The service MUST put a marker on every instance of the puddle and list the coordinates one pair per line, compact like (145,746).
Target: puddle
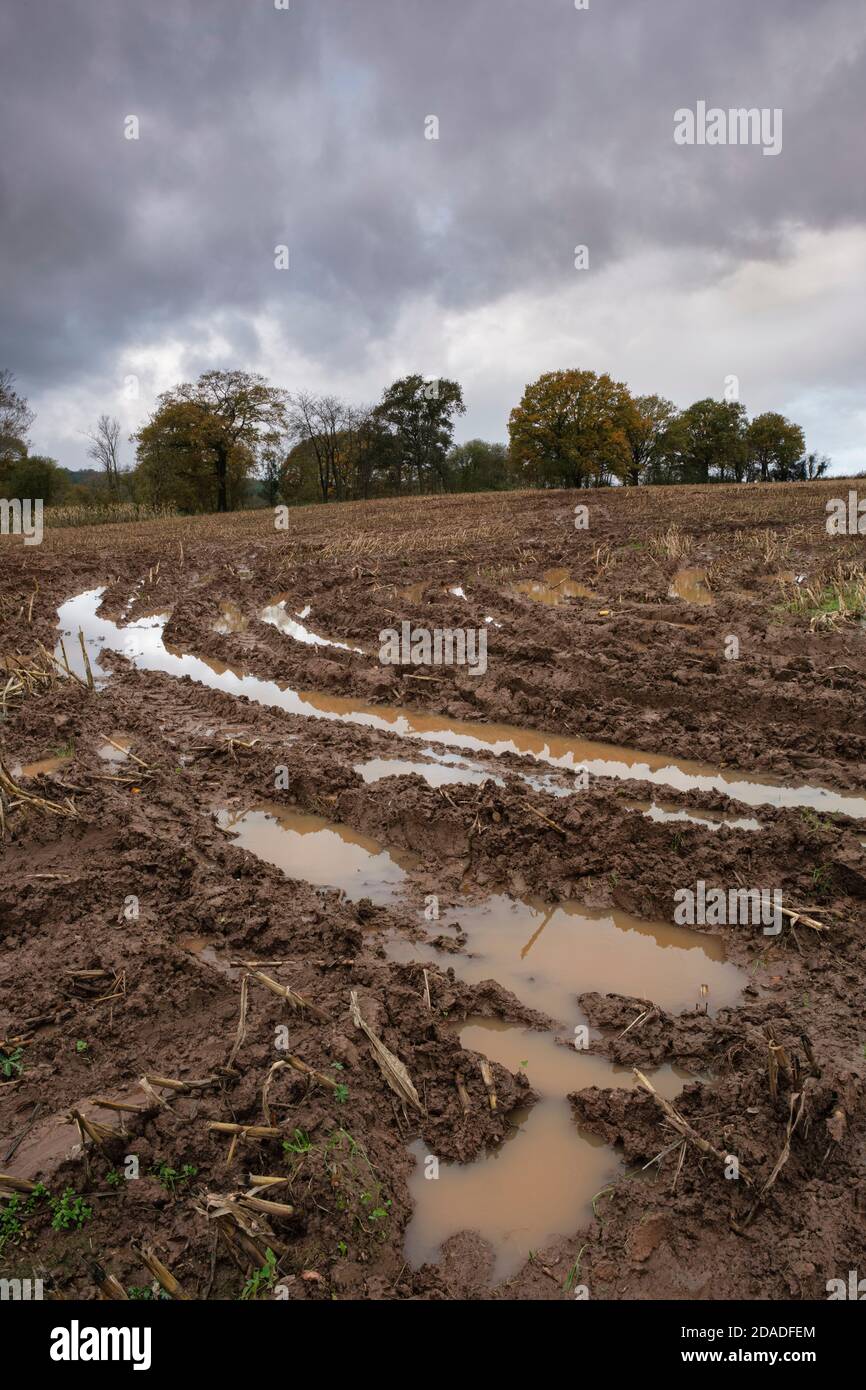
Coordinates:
(691,586)
(142,643)
(711,820)
(204,948)
(44,767)
(117,751)
(414,593)
(547,955)
(540,1182)
(275,614)
(434,774)
(554,586)
(231,619)
(318,851)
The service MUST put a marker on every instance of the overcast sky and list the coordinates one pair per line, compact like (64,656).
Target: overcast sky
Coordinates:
(305,127)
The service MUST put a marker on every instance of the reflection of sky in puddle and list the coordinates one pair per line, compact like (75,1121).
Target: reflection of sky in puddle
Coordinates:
(142,643)
(276,615)
(711,820)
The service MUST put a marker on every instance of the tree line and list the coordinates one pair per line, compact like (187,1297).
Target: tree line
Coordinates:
(233,440)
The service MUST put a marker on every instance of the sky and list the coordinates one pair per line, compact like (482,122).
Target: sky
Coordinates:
(128,265)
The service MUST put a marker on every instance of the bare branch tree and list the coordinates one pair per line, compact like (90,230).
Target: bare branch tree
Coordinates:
(104,446)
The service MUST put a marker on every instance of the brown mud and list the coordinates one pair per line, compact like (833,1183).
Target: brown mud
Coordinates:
(136,928)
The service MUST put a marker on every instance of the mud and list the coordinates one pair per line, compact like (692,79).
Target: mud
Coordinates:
(131,926)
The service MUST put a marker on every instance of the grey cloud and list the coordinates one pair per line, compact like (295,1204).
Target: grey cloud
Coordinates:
(306,127)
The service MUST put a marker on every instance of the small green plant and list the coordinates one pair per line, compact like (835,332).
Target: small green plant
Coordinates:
(344,1249)
(574,1273)
(262,1279)
(69,1211)
(146,1293)
(11,1063)
(113,1178)
(341,1094)
(81,1046)
(379,1212)
(300,1143)
(16,1210)
(822,879)
(173,1178)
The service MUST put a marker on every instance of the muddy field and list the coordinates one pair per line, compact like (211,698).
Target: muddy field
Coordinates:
(364,916)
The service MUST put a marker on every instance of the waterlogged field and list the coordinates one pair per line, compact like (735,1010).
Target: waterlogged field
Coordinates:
(437,898)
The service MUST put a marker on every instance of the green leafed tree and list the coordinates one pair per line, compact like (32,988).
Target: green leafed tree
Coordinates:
(420,415)
(709,442)
(209,432)
(775,446)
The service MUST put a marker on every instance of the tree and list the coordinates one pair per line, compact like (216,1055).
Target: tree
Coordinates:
(648,431)
(319,421)
(774,446)
(16,417)
(711,436)
(570,430)
(810,466)
(477,466)
(227,417)
(176,461)
(34,476)
(374,453)
(104,448)
(420,415)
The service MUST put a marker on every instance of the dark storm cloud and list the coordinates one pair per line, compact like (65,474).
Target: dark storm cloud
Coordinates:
(306,127)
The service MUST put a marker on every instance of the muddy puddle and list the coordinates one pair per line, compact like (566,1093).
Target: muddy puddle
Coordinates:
(142,643)
(43,767)
(711,820)
(318,851)
(553,588)
(540,1182)
(277,615)
(547,955)
(206,950)
(115,748)
(435,774)
(230,619)
(691,586)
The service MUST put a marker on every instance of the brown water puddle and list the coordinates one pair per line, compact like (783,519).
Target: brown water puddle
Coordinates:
(117,749)
(540,1182)
(142,643)
(318,851)
(711,820)
(554,586)
(204,948)
(547,955)
(231,619)
(691,586)
(414,593)
(44,767)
